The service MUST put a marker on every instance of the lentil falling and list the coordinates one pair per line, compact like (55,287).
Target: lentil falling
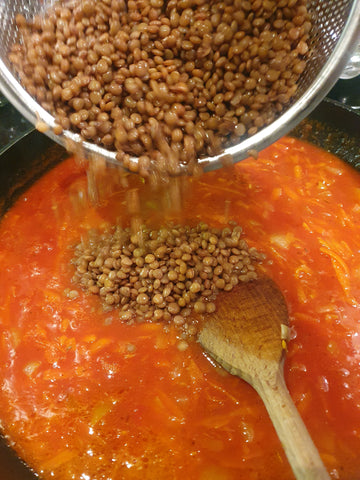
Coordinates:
(167,82)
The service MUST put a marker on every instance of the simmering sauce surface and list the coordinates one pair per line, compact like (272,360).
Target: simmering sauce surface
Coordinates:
(84,396)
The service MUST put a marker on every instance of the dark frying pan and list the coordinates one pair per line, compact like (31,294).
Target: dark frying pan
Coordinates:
(331,126)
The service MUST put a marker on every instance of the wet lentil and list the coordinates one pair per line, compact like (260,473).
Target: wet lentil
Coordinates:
(172,80)
(106,265)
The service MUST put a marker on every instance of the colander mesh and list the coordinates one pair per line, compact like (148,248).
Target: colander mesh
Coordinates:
(329,18)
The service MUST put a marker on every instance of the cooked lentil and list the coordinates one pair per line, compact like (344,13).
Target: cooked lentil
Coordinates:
(164,274)
(164,81)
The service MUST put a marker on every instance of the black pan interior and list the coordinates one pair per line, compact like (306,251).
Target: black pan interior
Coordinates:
(331,126)
(335,128)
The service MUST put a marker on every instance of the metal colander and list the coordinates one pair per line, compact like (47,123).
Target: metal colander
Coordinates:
(335,32)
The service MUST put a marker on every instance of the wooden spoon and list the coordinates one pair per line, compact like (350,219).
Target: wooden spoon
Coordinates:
(244,336)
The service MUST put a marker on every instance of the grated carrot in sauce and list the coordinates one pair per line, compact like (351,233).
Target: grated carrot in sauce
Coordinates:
(86,396)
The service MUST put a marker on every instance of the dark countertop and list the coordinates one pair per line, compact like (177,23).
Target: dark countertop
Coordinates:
(12,124)
(347,92)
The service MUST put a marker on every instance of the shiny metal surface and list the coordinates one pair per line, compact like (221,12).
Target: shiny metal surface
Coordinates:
(335,32)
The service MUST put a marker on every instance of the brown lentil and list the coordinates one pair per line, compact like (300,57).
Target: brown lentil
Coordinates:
(106,265)
(172,80)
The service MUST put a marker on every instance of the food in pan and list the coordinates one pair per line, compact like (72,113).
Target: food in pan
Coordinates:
(159,274)
(86,395)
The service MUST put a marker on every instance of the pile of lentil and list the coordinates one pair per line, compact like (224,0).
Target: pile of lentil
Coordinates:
(164,274)
(167,82)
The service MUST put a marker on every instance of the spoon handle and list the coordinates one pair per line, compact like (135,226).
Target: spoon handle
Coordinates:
(299,448)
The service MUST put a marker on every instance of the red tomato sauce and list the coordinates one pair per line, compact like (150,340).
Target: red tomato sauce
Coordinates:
(84,396)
